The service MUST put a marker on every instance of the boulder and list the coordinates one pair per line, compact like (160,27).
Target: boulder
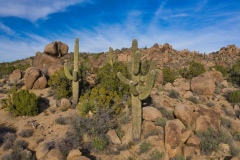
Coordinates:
(55,154)
(53,69)
(30,76)
(15,76)
(65,103)
(40,83)
(51,49)
(173,130)
(44,62)
(184,113)
(181,85)
(203,84)
(151,114)
(62,48)
(158,79)
(113,137)
(193,141)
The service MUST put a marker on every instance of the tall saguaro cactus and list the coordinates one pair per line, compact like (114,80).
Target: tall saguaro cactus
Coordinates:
(111,58)
(140,87)
(75,73)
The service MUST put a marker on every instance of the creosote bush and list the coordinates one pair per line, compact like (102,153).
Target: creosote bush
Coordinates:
(194,70)
(235,73)
(168,75)
(26,133)
(221,69)
(23,103)
(60,85)
(144,147)
(234,97)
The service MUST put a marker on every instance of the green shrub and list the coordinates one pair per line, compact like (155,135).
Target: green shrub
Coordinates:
(168,75)
(144,147)
(194,70)
(60,85)
(86,106)
(156,155)
(99,143)
(221,69)
(226,123)
(211,138)
(161,122)
(174,94)
(234,97)
(193,99)
(235,73)
(99,97)
(107,78)
(24,103)
(166,113)
(120,132)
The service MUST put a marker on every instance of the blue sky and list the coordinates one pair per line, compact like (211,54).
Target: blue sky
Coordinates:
(26,26)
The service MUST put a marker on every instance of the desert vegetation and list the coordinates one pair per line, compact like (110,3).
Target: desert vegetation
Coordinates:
(122,104)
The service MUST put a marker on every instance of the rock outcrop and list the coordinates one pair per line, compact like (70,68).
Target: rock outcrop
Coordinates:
(15,76)
(34,79)
(56,49)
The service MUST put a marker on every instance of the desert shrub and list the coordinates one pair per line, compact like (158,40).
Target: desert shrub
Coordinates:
(86,106)
(210,104)
(24,103)
(161,122)
(9,138)
(211,138)
(179,158)
(193,99)
(99,143)
(168,75)
(61,120)
(60,85)
(19,153)
(226,123)
(235,73)
(173,94)
(120,132)
(221,69)
(156,155)
(236,136)
(234,97)
(151,133)
(98,125)
(144,147)
(26,133)
(20,143)
(166,113)
(107,78)
(194,70)
(99,97)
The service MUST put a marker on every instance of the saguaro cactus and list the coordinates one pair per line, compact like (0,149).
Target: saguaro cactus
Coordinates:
(140,87)
(75,73)
(111,58)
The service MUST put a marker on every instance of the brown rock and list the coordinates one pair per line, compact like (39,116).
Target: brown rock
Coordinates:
(235,126)
(188,151)
(203,84)
(159,78)
(183,113)
(62,48)
(15,76)
(173,137)
(217,76)
(113,137)
(74,154)
(54,69)
(187,94)
(40,83)
(44,61)
(65,103)
(148,126)
(30,76)
(202,123)
(185,135)
(181,85)
(41,150)
(151,114)
(193,141)
(51,49)
(55,154)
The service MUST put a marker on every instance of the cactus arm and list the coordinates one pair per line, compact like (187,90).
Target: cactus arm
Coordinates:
(133,88)
(67,73)
(123,79)
(148,86)
(129,67)
(152,67)
(136,63)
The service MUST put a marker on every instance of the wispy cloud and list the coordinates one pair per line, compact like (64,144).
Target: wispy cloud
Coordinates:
(34,10)
(6,29)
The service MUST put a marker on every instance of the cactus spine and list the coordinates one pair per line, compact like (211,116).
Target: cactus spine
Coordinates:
(111,58)
(140,87)
(75,73)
